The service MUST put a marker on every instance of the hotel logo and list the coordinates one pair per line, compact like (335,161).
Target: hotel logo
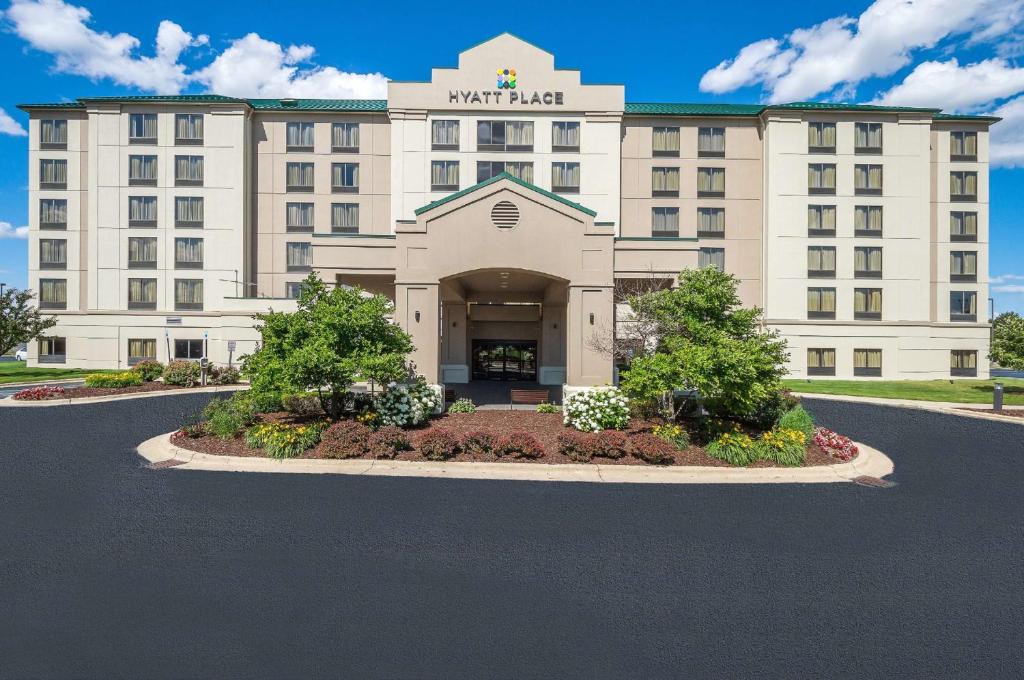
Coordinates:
(506,78)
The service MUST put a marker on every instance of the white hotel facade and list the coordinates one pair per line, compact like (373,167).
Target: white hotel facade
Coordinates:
(500,218)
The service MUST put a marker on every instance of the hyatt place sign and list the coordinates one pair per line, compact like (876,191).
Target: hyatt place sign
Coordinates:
(510,97)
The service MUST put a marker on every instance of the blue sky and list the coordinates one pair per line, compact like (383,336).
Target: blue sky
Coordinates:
(956,54)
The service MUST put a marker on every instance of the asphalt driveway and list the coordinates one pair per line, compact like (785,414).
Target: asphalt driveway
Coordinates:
(111,570)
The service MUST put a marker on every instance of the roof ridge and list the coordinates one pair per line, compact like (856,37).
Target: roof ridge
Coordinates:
(504,175)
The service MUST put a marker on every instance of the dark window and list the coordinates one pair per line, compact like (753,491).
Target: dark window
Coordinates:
(52,350)
(500,135)
(963,305)
(188,349)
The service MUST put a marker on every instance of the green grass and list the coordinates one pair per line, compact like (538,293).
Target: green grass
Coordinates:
(962,391)
(18,372)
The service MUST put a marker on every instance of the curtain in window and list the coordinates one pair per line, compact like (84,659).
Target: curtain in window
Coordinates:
(188,209)
(142,291)
(665,179)
(299,254)
(711,140)
(565,134)
(964,302)
(821,259)
(963,223)
(963,358)
(445,132)
(142,209)
(142,167)
(142,250)
(711,219)
(666,139)
(53,132)
(444,173)
(567,175)
(53,171)
(53,251)
(963,183)
(188,250)
(53,291)
(345,135)
(53,211)
(711,257)
(711,179)
(867,300)
(822,217)
(299,134)
(188,126)
(821,358)
(299,215)
(188,291)
(867,217)
(665,219)
(821,134)
(821,176)
(963,143)
(346,174)
(867,358)
(299,174)
(964,263)
(519,133)
(345,216)
(142,126)
(188,168)
(142,349)
(868,136)
(821,299)
(523,171)
(867,176)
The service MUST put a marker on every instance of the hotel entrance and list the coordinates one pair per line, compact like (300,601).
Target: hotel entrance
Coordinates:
(505,360)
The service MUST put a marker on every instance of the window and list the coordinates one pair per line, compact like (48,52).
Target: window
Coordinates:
(345,137)
(52,350)
(53,253)
(292,289)
(821,262)
(711,182)
(345,178)
(821,137)
(444,135)
(821,303)
(53,213)
(963,363)
(867,303)
(711,257)
(963,186)
(711,142)
(963,226)
(53,134)
(188,129)
(867,362)
(711,222)
(298,216)
(299,256)
(142,128)
(188,294)
(963,265)
(867,138)
(519,169)
(188,253)
(142,252)
(299,136)
(963,305)
(188,349)
(444,175)
(345,218)
(821,362)
(565,136)
(299,177)
(665,141)
(821,178)
(188,171)
(188,212)
(565,178)
(867,180)
(963,146)
(867,221)
(142,171)
(821,220)
(142,211)
(665,222)
(141,349)
(499,135)
(867,262)
(665,181)
(141,293)
(53,174)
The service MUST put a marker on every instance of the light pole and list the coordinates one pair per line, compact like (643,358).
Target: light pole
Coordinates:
(2,288)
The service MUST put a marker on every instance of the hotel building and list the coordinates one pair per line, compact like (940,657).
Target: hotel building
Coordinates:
(500,205)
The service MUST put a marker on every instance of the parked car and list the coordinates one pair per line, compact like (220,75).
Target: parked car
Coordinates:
(21,355)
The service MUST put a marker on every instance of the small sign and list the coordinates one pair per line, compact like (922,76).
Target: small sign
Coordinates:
(231,345)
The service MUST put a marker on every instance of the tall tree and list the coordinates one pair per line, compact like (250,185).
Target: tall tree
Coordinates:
(20,321)
(1008,341)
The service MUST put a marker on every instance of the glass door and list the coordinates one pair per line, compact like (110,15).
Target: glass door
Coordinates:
(504,360)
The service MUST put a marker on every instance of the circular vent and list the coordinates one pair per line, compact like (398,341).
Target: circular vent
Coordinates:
(504,215)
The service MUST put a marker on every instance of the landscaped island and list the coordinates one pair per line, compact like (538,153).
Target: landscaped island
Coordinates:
(145,376)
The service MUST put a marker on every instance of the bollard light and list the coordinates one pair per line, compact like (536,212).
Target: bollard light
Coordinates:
(997,397)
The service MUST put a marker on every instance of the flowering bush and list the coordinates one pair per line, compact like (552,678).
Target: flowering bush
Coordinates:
(120,379)
(438,444)
(39,393)
(388,441)
(407,405)
(345,439)
(835,444)
(149,369)
(462,406)
(223,375)
(479,442)
(782,445)
(519,445)
(182,373)
(652,449)
(673,434)
(736,448)
(602,408)
(280,440)
(193,431)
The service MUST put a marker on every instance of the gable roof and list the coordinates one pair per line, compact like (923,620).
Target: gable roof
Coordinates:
(496,178)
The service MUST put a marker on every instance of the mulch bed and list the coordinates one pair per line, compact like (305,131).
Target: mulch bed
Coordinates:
(544,426)
(1012,412)
(80,392)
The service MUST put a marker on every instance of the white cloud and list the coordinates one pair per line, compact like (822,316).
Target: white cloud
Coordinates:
(1004,278)
(1012,288)
(946,84)
(1006,146)
(7,230)
(9,126)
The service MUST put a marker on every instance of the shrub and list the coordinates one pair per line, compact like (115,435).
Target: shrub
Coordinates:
(652,449)
(280,440)
(345,439)
(407,405)
(673,434)
(602,408)
(388,442)
(575,446)
(302,404)
(370,419)
(193,430)
(835,444)
(735,448)
(519,445)
(223,375)
(438,444)
(768,412)
(545,407)
(782,446)
(182,373)
(39,393)
(798,419)
(462,405)
(149,369)
(609,444)
(119,379)
(227,418)
(479,442)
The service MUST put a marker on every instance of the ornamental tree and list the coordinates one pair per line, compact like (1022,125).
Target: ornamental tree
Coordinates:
(19,320)
(1008,341)
(338,335)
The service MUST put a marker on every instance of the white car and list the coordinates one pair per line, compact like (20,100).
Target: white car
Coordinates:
(21,355)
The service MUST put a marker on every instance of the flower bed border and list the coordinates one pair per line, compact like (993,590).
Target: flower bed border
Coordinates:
(15,403)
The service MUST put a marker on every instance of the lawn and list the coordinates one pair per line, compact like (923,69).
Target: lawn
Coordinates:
(963,391)
(18,372)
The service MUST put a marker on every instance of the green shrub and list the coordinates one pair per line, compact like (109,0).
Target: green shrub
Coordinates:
(652,449)
(768,411)
(120,379)
(479,442)
(227,418)
(193,430)
(407,405)
(345,439)
(463,405)
(182,373)
(302,404)
(149,369)
(798,419)
(519,445)
(223,375)
(437,444)
(734,448)
(545,407)
(388,442)
(783,446)
(673,434)
(279,440)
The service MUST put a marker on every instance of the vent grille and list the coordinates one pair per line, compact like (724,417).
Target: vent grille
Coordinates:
(504,215)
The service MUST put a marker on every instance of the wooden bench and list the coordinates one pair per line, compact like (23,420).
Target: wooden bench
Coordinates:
(528,397)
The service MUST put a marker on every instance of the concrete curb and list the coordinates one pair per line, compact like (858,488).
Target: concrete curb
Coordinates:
(933,406)
(870,462)
(11,403)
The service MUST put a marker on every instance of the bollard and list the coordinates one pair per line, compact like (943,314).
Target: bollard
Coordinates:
(204,368)
(997,397)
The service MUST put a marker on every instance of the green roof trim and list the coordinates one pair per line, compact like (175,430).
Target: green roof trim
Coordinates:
(166,98)
(515,180)
(656,238)
(828,106)
(52,105)
(318,104)
(965,116)
(669,109)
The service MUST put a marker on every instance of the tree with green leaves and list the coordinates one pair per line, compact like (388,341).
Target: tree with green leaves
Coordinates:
(1008,341)
(20,321)
(338,335)
(704,341)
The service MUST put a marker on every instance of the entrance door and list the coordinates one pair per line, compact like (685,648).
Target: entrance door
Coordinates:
(505,360)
